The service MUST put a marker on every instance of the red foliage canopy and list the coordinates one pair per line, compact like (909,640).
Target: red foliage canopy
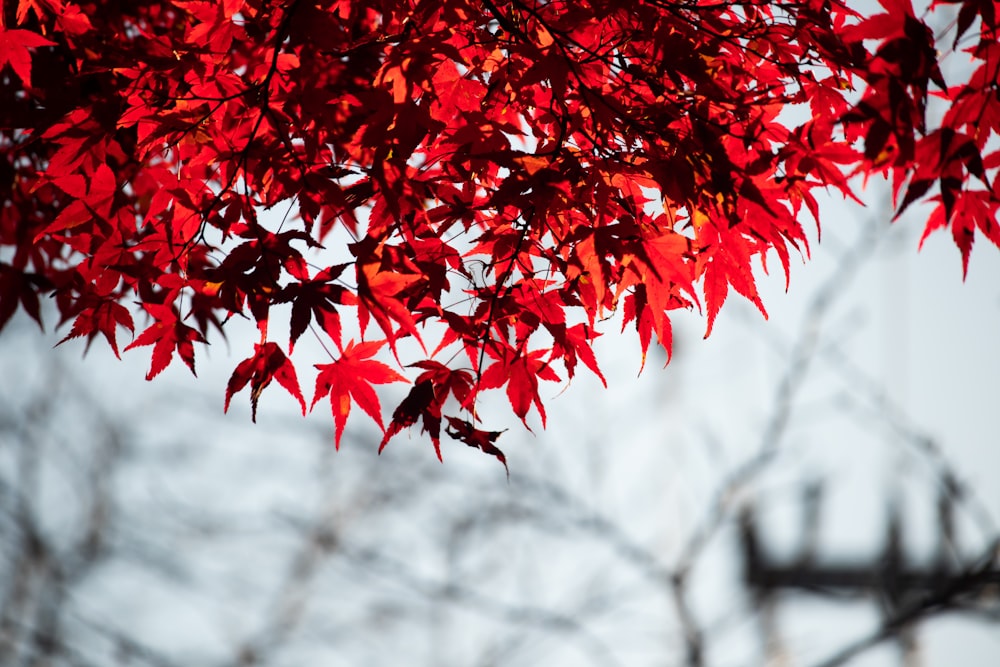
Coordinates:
(512,171)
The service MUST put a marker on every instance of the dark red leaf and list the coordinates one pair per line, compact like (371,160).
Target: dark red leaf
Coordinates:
(267,363)
(461,430)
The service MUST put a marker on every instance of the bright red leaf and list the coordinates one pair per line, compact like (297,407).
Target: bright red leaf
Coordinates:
(351,377)
(14,45)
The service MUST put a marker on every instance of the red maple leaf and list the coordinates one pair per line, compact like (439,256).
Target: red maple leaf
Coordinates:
(459,429)
(317,298)
(351,377)
(267,363)
(521,373)
(167,335)
(426,401)
(14,45)
(17,286)
(103,318)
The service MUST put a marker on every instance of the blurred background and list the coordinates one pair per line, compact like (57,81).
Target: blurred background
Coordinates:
(815,489)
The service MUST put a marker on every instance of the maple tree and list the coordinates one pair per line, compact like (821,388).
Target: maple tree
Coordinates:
(493,181)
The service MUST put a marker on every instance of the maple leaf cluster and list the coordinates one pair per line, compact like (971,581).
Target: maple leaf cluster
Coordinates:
(503,176)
